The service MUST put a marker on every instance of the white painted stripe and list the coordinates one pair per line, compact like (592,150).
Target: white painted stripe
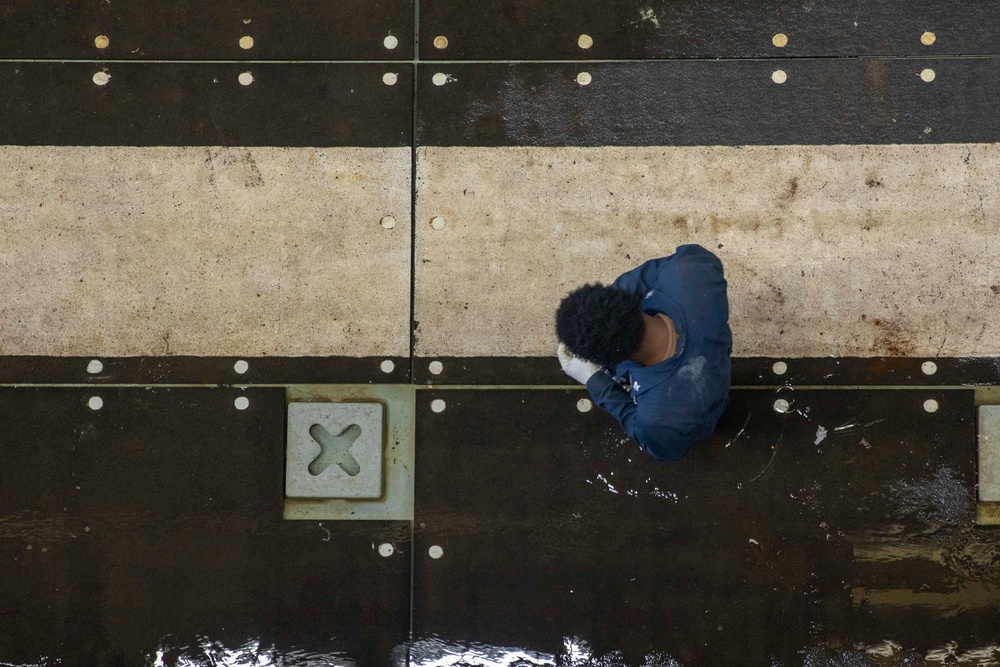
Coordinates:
(829,250)
(204,251)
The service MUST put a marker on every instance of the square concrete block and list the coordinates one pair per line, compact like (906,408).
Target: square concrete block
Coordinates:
(334,450)
(989,453)
(396,501)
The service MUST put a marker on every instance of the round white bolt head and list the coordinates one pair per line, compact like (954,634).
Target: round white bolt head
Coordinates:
(102,78)
(781,405)
(780,40)
(388,222)
(779,368)
(390,42)
(102,41)
(441,42)
(930,405)
(385,550)
(437,405)
(584,78)
(245,79)
(95,403)
(440,79)
(779,76)
(246,42)
(390,78)
(584,405)
(928,367)
(95,366)
(242,403)
(435,552)
(241,367)
(927,75)
(437,222)
(435,367)
(387,366)
(585,41)
(928,38)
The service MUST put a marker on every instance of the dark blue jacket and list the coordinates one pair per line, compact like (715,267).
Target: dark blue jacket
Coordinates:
(676,403)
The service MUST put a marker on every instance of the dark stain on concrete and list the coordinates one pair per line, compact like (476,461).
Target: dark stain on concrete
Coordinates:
(749,223)
(891,339)
(793,188)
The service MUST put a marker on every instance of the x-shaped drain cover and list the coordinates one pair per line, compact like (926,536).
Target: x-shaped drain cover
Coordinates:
(335,450)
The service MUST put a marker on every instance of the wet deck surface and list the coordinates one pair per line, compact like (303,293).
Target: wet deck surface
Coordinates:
(758,547)
(153,527)
(150,532)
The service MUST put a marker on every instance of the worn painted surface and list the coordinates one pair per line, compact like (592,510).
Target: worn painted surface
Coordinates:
(665,29)
(829,250)
(204,251)
(191,30)
(564,544)
(50,103)
(709,102)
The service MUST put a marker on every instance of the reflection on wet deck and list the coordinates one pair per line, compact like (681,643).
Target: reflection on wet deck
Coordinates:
(767,545)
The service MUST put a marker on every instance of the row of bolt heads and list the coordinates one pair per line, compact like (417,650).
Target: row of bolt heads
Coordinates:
(782,405)
(928,368)
(778,76)
(438,405)
(584,41)
(385,550)
(437,222)
(241,366)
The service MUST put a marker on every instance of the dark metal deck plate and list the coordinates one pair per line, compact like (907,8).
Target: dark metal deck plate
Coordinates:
(154,524)
(508,30)
(204,370)
(172,104)
(746,371)
(211,30)
(490,371)
(709,103)
(761,546)
(885,371)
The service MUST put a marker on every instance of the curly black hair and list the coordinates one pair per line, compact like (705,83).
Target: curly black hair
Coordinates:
(602,324)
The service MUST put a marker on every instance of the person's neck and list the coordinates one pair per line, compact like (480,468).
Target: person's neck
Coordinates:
(655,341)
